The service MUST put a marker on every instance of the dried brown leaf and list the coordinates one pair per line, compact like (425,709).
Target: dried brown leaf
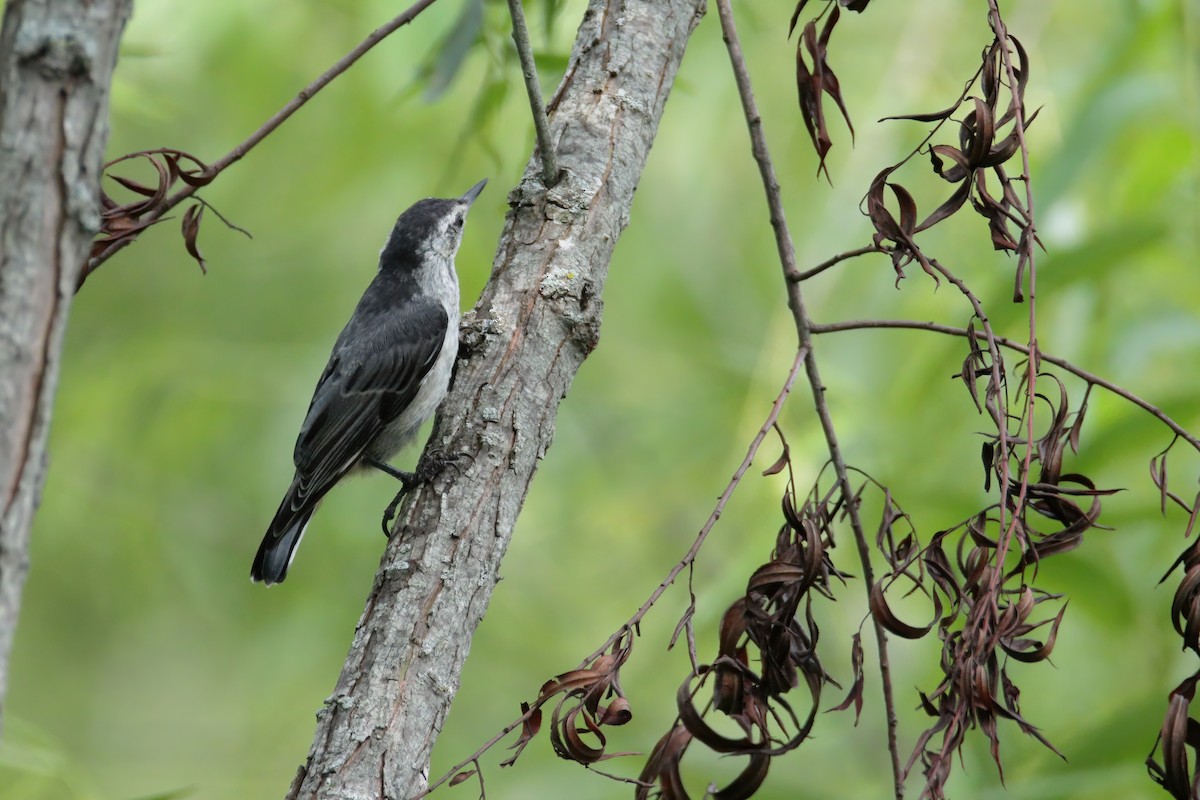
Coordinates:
(946,209)
(812,84)
(1077,425)
(988,454)
(461,776)
(855,695)
(662,766)
(796,16)
(779,464)
(748,780)
(882,612)
(191,229)
(529,729)
(932,116)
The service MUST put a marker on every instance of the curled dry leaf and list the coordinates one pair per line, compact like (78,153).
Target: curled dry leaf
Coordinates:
(662,767)
(529,729)
(815,82)
(780,463)
(855,695)
(766,647)
(579,715)
(898,231)
(123,222)
(988,137)
(462,776)
(1178,734)
(882,612)
(191,229)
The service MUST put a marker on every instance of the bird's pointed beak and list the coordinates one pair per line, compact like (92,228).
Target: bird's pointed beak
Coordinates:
(474,191)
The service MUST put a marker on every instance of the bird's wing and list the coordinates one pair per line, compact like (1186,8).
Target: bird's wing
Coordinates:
(369,381)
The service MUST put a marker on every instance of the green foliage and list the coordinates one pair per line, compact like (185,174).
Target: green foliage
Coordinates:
(146,661)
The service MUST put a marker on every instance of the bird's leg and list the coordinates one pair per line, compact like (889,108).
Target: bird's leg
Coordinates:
(408,480)
(427,469)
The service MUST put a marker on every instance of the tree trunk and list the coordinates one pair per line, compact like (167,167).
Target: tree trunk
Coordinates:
(537,319)
(56,64)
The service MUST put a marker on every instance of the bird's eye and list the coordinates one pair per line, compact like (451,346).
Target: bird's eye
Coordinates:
(458,222)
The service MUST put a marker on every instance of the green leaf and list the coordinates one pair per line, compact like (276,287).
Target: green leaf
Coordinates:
(451,52)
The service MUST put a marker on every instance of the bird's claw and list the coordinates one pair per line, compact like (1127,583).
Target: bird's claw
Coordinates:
(429,468)
(389,513)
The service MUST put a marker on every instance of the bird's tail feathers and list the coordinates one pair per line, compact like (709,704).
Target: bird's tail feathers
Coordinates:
(283,537)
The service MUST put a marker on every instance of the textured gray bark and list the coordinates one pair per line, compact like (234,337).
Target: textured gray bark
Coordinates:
(537,319)
(56,63)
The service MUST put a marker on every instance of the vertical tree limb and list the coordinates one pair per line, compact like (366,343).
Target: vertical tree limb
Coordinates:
(792,278)
(533,89)
(56,63)
(537,319)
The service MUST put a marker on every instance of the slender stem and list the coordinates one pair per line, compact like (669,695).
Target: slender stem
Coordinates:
(306,94)
(787,259)
(520,35)
(1028,239)
(1089,377)
(718,509)
(997,406)
(835,260)
(683,564)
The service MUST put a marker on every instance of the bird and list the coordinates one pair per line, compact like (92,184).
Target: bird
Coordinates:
(387,374)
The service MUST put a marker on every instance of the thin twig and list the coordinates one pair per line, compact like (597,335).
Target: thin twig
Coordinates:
(999,409)
(684,563)
(306,94)
(933,131)
(221,217)
(1089,377)
(690,556)
(787,259)
(474,757)
(482,787)
(835,260)
(520,35)
(1028,238)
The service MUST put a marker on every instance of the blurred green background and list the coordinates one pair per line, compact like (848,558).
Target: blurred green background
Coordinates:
(146,663)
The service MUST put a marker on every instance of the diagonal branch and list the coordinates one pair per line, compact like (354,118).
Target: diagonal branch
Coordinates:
(1062,363)
(688,558)
(536,321)
(833,261)
(280,116)
(791,274)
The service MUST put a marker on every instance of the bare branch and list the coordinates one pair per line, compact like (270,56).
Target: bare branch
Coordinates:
(684,563)
(1089,377)
(1025,257)
(535,322)
(835,260)
(306,94)
(520,34)
(787,258)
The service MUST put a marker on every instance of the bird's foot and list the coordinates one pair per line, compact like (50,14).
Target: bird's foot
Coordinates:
(436,461)
(389,513)
(429,468)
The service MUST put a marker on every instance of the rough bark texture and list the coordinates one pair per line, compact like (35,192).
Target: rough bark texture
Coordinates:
(537,319)
(56,63)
